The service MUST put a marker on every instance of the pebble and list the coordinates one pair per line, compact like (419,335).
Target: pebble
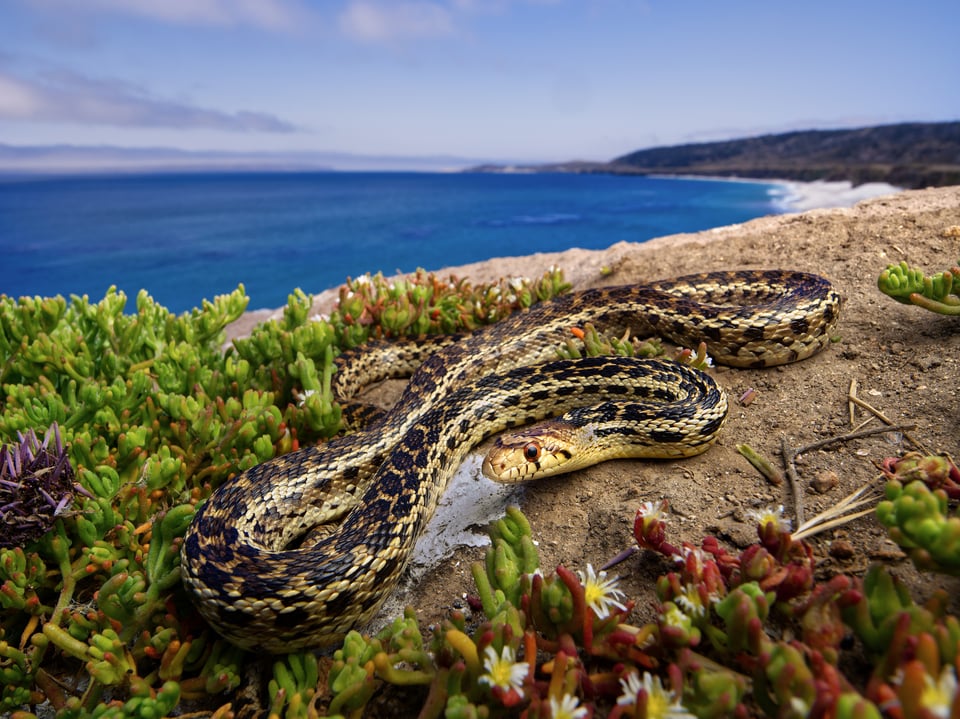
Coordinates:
(825,481)
(842,549)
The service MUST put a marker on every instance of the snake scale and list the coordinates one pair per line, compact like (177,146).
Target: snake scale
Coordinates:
(295,552)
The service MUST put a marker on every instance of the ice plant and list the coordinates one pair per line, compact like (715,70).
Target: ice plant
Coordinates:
(772,517)
(154,410)
(910,286)
(939,694)
(920,521)
(936,471)
(649,528)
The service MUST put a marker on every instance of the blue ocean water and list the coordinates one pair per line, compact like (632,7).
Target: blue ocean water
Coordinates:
(188,237)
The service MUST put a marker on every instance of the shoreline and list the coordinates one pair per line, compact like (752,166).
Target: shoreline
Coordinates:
(800,196)
(826,194)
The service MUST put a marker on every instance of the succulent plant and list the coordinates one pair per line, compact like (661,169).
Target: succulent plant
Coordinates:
(916,510)
(910,286)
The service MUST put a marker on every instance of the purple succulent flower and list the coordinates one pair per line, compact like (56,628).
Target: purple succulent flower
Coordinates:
(36,486)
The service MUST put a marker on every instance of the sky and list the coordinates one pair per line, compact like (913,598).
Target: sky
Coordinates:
(482,80)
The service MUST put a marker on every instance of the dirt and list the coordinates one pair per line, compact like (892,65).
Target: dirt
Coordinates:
(903,359)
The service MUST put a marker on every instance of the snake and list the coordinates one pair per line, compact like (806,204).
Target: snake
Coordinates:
(297,551)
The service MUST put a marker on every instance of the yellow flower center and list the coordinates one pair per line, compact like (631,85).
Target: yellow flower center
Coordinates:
(658,705)
(500,673)
(593,593)
(936,697)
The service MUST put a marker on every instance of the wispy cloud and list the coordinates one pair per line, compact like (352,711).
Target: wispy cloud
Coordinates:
(272,15)
(382,21)
(68,97)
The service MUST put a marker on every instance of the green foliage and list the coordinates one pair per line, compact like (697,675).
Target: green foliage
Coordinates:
(916,510)
(911,287)
(145,413)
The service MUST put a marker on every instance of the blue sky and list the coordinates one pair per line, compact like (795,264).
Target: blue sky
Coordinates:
(500,80)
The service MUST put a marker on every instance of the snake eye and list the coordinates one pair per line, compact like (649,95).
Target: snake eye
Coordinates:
(531,451)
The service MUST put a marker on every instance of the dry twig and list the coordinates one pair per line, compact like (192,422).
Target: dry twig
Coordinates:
(790,455)
(853,399)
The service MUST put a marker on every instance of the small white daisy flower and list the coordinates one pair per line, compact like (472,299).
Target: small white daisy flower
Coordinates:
(661,704)
(503,670)
(691,603)
(937,696)
(769,515)
(567,708)
(630,686)
(302,399)
(601,593)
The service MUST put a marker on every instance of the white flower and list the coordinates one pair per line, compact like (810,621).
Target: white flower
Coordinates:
(503,671)
(567,708)
(769,515)
(691,603)
(699,557)
(601,594)
(661,704)
(653,510)
(302,399)
(630,686)
(937,696)
(673,616)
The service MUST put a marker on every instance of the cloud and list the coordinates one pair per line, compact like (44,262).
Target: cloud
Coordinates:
(380,21)
(272,15)
(17,100)
(67,97)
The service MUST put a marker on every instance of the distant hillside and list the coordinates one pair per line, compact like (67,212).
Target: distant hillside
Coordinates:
(910,155)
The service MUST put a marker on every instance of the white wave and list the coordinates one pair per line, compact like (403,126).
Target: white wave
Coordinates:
(791,196)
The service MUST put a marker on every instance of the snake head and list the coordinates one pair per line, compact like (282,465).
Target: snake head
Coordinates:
(543,450)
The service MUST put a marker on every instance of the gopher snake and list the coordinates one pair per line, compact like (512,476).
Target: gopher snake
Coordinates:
(296,551)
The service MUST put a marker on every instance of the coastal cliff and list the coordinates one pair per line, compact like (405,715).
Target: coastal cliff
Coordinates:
(907,155)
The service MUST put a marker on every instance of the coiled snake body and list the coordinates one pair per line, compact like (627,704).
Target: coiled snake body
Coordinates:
(297,551)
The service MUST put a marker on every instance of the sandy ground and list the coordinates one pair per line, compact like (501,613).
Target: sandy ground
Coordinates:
(904,360)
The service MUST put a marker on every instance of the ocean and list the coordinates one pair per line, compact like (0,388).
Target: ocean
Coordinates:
(189,237)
